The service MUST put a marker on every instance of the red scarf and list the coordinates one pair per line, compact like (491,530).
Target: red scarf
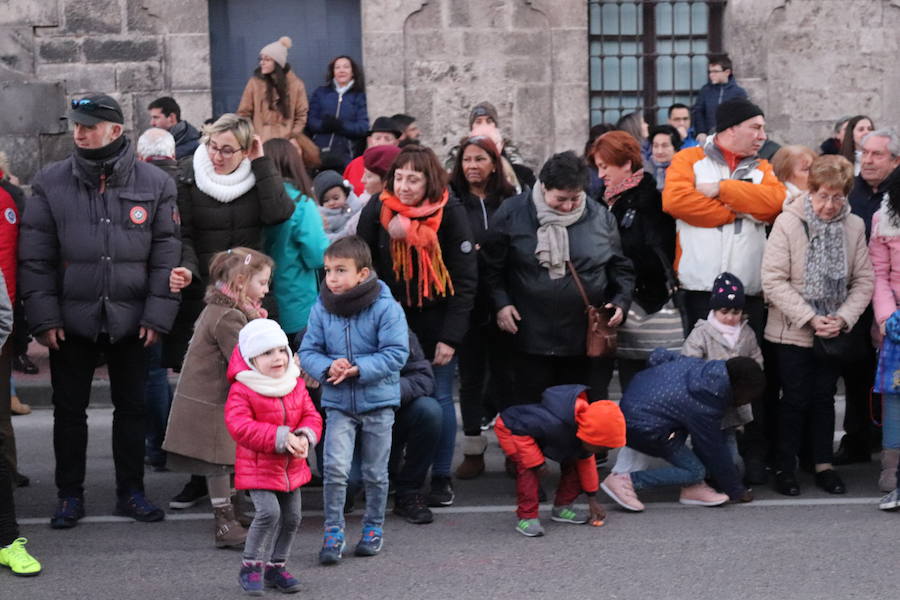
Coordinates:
(415,227)
(610,193)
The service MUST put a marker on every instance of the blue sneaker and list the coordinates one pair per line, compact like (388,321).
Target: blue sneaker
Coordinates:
(251,579)
(276,576)
(68,512)
(136,506)
(332,546)
(371,541)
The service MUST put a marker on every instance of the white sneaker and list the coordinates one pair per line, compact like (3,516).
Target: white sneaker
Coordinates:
(891,501)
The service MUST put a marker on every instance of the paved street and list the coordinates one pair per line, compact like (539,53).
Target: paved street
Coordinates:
(815,546)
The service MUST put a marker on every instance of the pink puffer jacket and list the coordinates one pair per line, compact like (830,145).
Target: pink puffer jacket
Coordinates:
(258,422)
(884,250)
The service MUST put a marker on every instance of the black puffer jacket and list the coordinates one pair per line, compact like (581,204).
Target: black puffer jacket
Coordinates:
(552,310)
(440,319)
(416,376)
(648,240)
(97,258)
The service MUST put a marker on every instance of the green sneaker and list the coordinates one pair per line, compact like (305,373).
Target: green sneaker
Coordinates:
(567,514)
(530,527)
(18,560)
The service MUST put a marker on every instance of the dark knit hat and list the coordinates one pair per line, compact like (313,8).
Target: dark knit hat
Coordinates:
(483,109)
(379,159)
(727,292)
(326,180)
(735,112)
(94,109)
(386,125)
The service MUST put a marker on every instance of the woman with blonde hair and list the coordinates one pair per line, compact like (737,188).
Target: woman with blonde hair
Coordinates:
(791,165)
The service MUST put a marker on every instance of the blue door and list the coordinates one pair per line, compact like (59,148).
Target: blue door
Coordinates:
(320,30)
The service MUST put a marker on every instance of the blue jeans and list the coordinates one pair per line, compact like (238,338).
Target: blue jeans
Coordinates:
(374,429)
(890,421)
(685,469)
(159,402)
(416,430)
(443,388)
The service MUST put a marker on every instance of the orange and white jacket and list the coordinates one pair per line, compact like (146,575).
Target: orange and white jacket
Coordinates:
(727,233)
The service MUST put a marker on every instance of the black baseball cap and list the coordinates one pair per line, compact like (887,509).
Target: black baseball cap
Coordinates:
(94,109)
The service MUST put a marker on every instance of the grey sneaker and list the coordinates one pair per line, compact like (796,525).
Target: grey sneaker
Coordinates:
(569,514)
(891,501)
(530,527)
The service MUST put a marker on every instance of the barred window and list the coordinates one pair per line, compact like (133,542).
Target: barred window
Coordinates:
(649,54)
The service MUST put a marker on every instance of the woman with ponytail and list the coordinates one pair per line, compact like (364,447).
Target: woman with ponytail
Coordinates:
(422,247)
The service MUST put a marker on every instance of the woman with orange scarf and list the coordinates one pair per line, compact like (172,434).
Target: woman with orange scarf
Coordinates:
(423,248)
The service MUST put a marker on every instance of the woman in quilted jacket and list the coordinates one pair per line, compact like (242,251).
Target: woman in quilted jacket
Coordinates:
(273,421)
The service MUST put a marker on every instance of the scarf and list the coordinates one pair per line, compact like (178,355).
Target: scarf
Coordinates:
(223,188)
(731,333)
(659,173)
(552,250)
(611,191)
(253,310)
(825,287)
(353,300)
(102,153)
(415,228)
(274,387)
(342,90)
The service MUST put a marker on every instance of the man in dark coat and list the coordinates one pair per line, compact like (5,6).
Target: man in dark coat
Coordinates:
(721,88)
(99,239)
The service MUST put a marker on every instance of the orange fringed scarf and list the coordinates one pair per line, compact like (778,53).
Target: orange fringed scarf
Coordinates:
(415,227)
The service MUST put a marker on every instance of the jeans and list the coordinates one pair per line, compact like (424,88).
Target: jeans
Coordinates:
(71,372)
(685,469)
(159,401)
(374,429)
(890,419)
(278,516)
(443,390)
(417,427)
(9,529)
(485,375)
(807,402)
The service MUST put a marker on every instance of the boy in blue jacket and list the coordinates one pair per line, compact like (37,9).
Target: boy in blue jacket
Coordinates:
(355,345)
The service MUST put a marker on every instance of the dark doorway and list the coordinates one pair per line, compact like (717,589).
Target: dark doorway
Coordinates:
(319,29)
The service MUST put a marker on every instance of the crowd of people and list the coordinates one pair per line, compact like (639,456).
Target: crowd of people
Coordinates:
(319,283)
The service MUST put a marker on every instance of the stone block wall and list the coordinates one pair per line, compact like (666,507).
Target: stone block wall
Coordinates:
(436,59)
(135,50)
(808,62)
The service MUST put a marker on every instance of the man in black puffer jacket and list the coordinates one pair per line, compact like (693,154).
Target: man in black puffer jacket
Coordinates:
(99,239)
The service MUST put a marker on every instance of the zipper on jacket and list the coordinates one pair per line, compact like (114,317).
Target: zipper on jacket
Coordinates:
(350,358)
(287,458)
(337,113)
(484,213)
(106,258)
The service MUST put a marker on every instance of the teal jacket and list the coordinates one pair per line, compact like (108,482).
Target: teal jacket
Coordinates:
(297,246)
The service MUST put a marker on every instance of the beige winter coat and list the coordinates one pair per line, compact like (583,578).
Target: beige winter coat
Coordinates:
(197,420)
(705,341)
(783,276)
(268,122)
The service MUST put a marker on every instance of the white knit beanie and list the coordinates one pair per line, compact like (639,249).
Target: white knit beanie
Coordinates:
(258,337)
(278,50)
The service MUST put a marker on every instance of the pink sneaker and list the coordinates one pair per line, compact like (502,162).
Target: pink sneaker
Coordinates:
(701,494)
(618,487)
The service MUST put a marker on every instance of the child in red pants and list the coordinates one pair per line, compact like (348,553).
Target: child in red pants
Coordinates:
(566,428)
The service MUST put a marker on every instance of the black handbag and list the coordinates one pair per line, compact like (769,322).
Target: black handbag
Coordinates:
(844,348)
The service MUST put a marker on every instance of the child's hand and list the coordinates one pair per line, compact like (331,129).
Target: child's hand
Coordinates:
(598,513)
(309,380)
(297,445)
(337,368)
(347,374)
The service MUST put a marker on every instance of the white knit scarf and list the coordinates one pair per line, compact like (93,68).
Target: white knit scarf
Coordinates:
(731,333)
(223,188)
(552,250)
(275,387)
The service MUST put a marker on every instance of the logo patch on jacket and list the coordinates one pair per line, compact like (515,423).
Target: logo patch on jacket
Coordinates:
(10,215)
(138,215)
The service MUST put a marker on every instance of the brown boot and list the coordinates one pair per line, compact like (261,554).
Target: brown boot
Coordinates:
(228,531)
(472,466)
(16,406)
(887,482)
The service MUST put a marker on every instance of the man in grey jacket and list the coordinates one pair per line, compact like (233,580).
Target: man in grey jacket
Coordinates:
(98,241)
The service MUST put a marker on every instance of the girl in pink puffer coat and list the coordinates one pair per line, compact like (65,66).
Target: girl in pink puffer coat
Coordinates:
(271,417)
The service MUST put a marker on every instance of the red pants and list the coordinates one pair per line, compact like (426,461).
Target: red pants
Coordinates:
(527,482)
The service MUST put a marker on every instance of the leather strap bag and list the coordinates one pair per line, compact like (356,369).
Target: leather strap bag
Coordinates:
(601,338)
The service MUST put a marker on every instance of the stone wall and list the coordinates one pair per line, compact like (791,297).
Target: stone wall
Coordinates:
(135,50)
(807,62)
(436,59)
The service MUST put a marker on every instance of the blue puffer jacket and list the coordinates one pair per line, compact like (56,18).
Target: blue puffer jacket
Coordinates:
(682,396)
(710,97)
(376,340)
(350,110)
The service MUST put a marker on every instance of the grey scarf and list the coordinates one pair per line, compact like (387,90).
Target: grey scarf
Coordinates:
(825,287)
(552,250)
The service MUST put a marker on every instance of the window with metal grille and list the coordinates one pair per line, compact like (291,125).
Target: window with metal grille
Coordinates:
(649,54)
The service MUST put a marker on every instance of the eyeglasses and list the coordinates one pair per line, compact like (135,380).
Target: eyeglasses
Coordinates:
(835,200)
(227,152)
(711,71)
(86,104)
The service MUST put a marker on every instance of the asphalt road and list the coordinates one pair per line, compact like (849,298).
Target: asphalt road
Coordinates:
(815,546)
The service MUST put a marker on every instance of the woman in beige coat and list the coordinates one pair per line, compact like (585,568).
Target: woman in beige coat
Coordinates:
(818,280)
(274,98)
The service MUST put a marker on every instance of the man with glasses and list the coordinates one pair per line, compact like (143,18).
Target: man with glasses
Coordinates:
(98,241)
(721,88)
